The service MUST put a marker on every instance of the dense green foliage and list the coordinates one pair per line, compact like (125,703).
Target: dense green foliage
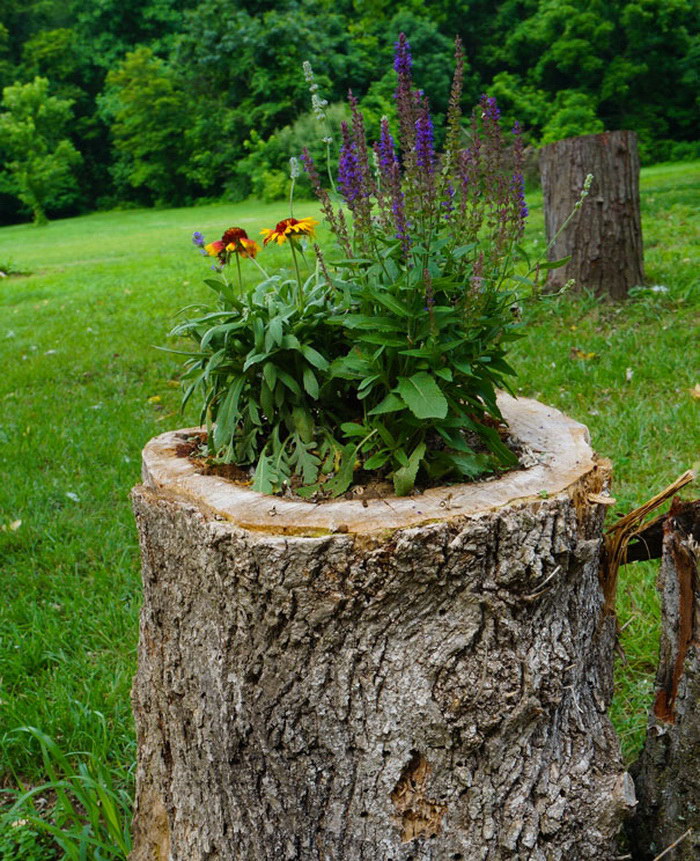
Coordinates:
(175,102)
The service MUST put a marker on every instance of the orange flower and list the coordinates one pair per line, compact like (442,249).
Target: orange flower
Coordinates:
(215,249)
(234,241)
(289,227)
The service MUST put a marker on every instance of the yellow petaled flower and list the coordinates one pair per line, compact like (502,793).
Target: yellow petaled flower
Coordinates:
(289,227)
(244,247)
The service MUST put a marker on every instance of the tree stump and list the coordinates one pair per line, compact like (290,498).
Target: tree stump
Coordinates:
(605,239)
(666,775)
(418,678)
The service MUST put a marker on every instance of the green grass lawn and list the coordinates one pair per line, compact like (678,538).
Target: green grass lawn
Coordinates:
(83,389)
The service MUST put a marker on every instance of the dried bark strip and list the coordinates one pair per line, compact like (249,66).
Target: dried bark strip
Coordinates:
(648,543)
(431,691)
(667,776)
(628,529)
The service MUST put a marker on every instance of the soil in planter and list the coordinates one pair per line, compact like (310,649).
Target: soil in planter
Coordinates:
(366,485)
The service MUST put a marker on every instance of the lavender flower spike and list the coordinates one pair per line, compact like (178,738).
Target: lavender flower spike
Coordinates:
(198,239)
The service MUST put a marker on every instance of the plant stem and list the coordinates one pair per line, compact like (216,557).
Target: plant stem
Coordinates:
(300,296)
(240,276)
(259,266)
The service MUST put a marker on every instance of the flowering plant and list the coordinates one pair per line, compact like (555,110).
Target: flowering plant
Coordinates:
(384,354)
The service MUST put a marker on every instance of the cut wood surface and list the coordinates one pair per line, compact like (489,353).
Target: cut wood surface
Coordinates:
(560,444)
(407,680)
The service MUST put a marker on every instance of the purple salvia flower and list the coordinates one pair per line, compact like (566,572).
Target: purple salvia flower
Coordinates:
(425,141)
(399,212)
(360,139)
(349,175)
(405,100)
(386,150)
(520,210)
(490,108)
(385,153)
(327,209)
(454,111)
(403,61)
(198,239)
(448,204)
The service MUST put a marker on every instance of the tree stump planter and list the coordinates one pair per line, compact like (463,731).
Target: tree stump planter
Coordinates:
(415,678)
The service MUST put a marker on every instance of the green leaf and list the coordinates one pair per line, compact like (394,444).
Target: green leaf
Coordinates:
(227,414)
(374,324)
(303,424)
(392,303)
(463,367)
(353,429)
(464,249)
(555,264)
(266,400)
(383,340)
(266,478)
(305,464)
(310,383)
(313,357)
(368,381)
(423,396)
(377,460)
(291,342)
(255,359)
(343,477)
(391,404)
(405,477)
(270,374)
(469,465)
(522,280)
(445,373)
(289,382)
(273,335)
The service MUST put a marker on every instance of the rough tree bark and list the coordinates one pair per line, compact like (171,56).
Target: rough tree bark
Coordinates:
(605,238)
(667,776)
(417,678)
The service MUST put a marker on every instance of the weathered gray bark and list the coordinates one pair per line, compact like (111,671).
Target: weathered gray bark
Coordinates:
(424,678)
(605,238)
(667,775)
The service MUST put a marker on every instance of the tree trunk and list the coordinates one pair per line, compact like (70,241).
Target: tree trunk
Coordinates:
(667,775)
(416,678)
(605,237)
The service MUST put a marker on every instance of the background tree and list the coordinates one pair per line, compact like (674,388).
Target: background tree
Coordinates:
(147,112)
(560,67)
(39,158)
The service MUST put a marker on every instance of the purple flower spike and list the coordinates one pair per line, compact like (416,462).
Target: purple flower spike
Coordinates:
(402,56)
(448,204)
(490,108)
(386,149)
(349,173)
(425,147)
(198,239)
